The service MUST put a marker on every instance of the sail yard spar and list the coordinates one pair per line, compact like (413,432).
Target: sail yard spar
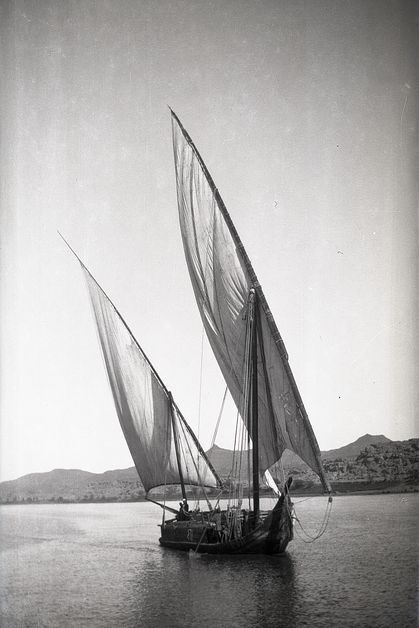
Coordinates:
(222,278)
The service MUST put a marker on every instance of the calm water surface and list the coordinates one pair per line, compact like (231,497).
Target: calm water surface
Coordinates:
(101,565)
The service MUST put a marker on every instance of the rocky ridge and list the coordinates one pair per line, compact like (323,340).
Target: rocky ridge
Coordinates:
(372,463)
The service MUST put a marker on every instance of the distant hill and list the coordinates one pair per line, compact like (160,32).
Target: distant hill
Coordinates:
(371,462)
(73,485)
(222,458)
(354,449)
(389,462)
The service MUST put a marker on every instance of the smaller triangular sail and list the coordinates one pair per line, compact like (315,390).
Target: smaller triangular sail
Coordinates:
(144,406)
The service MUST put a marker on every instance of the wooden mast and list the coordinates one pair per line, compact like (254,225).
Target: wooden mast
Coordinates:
(254,402)
(176,439)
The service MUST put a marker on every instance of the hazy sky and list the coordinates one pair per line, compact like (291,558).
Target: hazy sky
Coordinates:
(304,112)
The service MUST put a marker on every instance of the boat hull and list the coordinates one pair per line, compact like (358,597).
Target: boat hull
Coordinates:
(270,536)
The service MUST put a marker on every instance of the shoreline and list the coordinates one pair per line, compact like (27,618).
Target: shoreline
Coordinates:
(399,490)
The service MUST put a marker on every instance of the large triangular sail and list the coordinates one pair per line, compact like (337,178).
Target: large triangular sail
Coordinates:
(163,446)
(222,278)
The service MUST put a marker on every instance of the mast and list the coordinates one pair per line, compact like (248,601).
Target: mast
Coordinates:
(254,399)
(176,440)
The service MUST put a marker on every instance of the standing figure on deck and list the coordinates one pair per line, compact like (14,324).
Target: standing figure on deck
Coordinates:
(181,516)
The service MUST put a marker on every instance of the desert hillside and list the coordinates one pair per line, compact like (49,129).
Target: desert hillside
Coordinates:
(370,463)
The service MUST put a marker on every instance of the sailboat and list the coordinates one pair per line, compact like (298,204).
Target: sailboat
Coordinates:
(252,357)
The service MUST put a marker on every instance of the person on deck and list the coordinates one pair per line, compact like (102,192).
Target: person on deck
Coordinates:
(224,533)
(181,514)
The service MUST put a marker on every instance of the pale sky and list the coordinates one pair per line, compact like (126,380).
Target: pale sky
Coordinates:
(304,112)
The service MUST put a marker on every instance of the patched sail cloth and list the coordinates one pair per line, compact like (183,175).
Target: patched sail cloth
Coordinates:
(220,274)
(144,406)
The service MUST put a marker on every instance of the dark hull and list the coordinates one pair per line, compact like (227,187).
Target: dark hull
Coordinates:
(270,536)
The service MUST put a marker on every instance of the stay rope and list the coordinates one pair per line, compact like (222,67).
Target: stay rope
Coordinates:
(305,536)
(241,435)
(200,397)
(220,414)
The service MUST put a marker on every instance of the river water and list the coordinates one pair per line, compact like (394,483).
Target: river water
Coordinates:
(101,565)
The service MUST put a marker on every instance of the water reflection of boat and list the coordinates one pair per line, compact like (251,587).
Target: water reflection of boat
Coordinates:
(226,590)
(254,362)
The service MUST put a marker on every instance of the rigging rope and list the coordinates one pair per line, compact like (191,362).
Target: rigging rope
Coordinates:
(323,526)
(241,434)
(207,248)
(196,465)
(200,397)
(306,537)
(219,415)
(200,382)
